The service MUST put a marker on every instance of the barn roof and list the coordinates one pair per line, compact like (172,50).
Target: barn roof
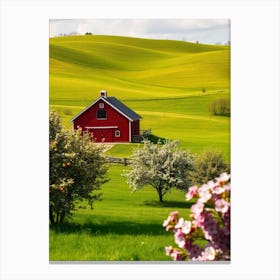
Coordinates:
(123,108)
(117,105)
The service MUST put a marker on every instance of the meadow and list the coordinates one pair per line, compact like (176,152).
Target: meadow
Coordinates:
(124,226)
(171,84)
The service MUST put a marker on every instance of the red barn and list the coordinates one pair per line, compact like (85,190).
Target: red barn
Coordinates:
(108,120)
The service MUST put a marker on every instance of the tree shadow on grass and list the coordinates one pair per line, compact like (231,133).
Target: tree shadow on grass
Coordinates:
(110,227)
(168,204)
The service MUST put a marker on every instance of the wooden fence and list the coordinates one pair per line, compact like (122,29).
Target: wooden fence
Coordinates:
(124,161)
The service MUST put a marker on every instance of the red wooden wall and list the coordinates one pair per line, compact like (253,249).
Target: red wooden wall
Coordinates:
(114,120)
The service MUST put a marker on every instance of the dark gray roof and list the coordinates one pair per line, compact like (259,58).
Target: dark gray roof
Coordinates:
(123,108)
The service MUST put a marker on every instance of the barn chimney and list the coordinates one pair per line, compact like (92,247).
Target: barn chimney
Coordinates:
(103,93)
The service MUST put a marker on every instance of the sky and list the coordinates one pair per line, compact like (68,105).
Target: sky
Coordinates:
(207,31)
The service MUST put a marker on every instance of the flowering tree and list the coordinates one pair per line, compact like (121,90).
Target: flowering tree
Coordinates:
(77,170)
(206,236)
(161,166)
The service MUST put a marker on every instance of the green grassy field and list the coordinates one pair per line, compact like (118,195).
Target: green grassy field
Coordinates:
(123,226)
(162,80)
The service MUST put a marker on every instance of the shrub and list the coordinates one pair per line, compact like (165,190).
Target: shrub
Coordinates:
(206,235)
(207,165)
(67,111)
(162,166)
(220,107)
(77,170)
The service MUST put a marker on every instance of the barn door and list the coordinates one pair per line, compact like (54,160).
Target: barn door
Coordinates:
(102,135)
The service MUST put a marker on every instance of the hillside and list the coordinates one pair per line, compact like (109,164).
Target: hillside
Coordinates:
(161,79)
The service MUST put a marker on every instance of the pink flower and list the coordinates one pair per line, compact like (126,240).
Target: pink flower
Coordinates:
(176,255)
(168,250)
(206,187)
(224,177)
(187,226)
(212,225)
(211,185)
(209,253)
(217,189)
(179,238)
(180,223)
(174,216)
(197,209)
(221,205)
(191,192)
(227,187)
(200,220)
(166,222)
(171,220)
(204,196)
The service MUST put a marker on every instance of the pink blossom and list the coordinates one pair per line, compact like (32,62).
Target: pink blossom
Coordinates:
(211,185)
(204,196)
(224,177)
(167,221)
(168,250)
(206,187)
(221,205)
(180,223)
(210,253)
(200,220)
(179,238)
(174,216)
(217,189)
(191,192)
(176,255)
(227,187)
(169,227)
(210,224)
(171,219)
(187,226)
(197,208)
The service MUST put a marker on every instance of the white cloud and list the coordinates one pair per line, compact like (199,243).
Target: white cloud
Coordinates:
(203,30)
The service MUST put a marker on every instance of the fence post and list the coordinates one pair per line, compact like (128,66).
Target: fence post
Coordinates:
(124,162)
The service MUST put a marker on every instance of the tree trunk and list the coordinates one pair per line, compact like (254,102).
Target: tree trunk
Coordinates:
(159,191)
(51,216)
(62,216)
(160,195)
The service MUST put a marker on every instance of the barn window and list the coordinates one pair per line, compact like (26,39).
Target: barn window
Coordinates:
(101,114)
(117,133)
(101,105)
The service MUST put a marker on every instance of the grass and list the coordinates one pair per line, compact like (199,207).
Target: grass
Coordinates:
(163,81)
(123,226)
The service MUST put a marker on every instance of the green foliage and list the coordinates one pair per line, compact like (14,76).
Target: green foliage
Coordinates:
(207,166)
(220,107)
(155,139)
(76,170)
(162,166)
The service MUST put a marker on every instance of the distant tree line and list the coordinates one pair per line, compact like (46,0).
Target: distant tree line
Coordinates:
(220,107)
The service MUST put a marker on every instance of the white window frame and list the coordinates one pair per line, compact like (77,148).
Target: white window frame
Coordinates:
(117,133)
(101,105)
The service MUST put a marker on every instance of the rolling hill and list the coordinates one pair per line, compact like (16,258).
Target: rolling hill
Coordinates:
(162,80)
